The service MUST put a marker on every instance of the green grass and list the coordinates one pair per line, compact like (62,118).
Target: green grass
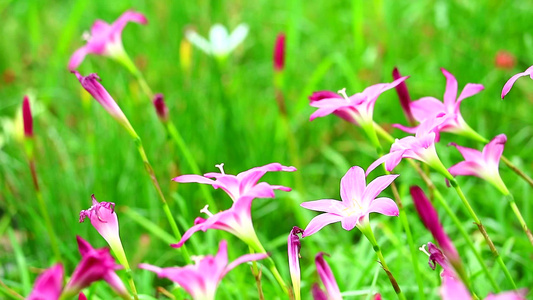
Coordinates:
(230,115)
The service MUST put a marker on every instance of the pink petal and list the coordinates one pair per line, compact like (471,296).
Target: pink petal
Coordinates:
(325,205)
(293,252)
(193,178)
(509,84)
(319,222)
(326,275)
(384,206)
(317,293)
(243,259)
(375,187)
(188,234)
(77,58)
(128,16)
(373,91)
(510,295)
(450,94)
(407,129)
(99,28)
(453,289)
(320,95)
(322,112)
(48,284)
(469,154)
(469,90)
(492,152)
(391,160)
(353,185)
(349,222)
(466,168)
(426,107)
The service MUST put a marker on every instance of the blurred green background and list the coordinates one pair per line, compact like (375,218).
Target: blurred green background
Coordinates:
(229,114)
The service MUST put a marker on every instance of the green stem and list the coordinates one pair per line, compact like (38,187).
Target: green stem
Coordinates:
(126,61)
(166,209)
(257,275)
(517,170)
(516,211)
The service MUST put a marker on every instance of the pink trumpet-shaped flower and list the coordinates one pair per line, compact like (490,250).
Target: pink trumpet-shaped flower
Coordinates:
(357,109)
(403,94)
(279,53)
(243,184)
(429,107)
(201,279)
(293,250)
(509,84)
(91,84)
(106,39)
(327,278)
(358,201)
(48,285)
(104,219)
(483,164)
(420,147)
(161,108)
(27,117)
(95,265)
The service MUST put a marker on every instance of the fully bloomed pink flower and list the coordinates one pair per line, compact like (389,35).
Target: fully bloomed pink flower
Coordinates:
(327,278)
(483,164)
(509,84)
(358,201)
(429,107)
(48,285)
(201,279)
(293,250)
(95,265)
(106,39)
(357,109)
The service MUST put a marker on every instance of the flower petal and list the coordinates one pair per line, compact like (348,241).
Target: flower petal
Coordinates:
(385,206)
(48,284)
(391,160)
(469,154)
(319,222)
(199,41)
(77,58)
(453,289)
(237,36)
(509,84)
(510,295)
(466,168)
(375,187)
(450,94)
(193,178)
(326,275)
(243,259)
(492,152)
(426,107)
(128,16)
(353,185)
(218,38)
(469,90)
(325,205)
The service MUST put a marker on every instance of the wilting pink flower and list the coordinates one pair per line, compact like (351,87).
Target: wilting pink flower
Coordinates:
(293,250)
(429,107)
(95,265)
(160,107)
(201,279)
(327,278)
(483,164)
(430,218)
(358,201)
(509,84)
(48,285)
(27,117)
(91,84)
(106,39)
(279,53)
(420,147)
(357,109)
(403,94)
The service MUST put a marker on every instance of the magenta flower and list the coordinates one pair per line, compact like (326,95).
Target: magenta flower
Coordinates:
(483,164)
(403,94)
(327,278)
(161,108)
(429,107)
(91,84)
(420,147)
(358,201)
(27,117)
(106,39)
(293,250)
(509,84)
(357,109)
(201,279)
(48,285)
(95,265)
(279,53)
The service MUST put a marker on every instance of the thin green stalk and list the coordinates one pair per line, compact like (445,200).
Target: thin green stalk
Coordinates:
(257,275)
(516,211)
(117,248)
(517,170)
(126,61)
(166,209)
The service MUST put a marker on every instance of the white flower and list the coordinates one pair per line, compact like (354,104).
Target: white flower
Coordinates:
(220,42)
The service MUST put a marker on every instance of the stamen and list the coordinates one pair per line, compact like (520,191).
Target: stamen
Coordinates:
(86,36)
(206,211)
(423,249)
(342,92)
(221,168)
(196,258)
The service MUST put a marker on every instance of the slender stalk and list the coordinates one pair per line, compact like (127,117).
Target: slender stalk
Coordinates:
(166,209)
(516,211)
(257,275)
(126,61)
(517,170)
(117,248)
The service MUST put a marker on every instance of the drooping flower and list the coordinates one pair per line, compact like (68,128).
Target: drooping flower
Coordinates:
(293,250)
(95,265)
(279,53)
(358,201)
(48,285)
(201,279)
(429,107)
(106,39)
(509,84)
(91,84)
(27,117)
(483,164)
(420,147)
(104,219)
(403,94)
(327,278)
(220,42)
(161,108)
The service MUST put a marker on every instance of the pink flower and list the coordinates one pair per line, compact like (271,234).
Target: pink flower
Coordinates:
(327,278)
(279,53)
(48,285)
(420,147)
(91,84)
(201,279)
(95,265)
(358,201)
(483,164)
(27,117)
(357,109)
(429,107)
(106,39)
(293,250)
(403,94)
(160,107)
(509,84)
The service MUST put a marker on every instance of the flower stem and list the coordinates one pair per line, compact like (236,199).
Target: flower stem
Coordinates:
(126,61)
(166,209)
(517,170)
(121,257)
(516,211)
(257,275)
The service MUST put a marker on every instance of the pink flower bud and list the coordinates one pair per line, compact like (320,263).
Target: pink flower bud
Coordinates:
(160,107)
(279,53)
(48,285)
(27,117)
(403,94)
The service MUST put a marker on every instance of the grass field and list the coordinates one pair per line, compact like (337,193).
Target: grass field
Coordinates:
(227,113)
